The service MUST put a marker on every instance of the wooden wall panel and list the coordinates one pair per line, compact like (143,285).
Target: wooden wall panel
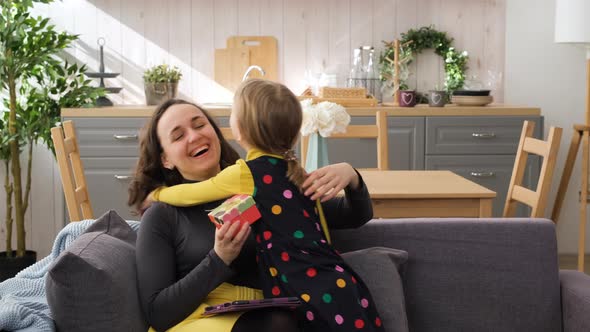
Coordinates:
(202,48)
(249,19)
(294,44)
(179,41)
(339,47)
(133,50)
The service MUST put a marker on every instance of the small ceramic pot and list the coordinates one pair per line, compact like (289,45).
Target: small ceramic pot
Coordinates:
(407,98)
(437,98)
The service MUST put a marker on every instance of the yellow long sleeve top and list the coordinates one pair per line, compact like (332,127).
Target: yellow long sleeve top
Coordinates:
(235,179)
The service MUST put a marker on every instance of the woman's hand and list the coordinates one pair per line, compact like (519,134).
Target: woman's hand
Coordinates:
(229,240)
(328,181)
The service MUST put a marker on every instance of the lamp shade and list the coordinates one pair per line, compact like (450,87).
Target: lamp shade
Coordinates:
(572,21)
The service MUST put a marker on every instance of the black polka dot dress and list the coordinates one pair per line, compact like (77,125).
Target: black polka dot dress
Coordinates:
(296,260)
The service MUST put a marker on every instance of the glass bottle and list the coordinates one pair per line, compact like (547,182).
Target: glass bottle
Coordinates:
(355,79)
(372,81)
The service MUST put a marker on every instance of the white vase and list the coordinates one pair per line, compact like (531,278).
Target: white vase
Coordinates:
(317,152)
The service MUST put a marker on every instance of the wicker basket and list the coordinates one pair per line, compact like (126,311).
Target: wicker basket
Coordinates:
(328,92)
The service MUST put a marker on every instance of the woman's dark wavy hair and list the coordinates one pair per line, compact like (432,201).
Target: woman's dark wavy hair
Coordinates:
(149,172)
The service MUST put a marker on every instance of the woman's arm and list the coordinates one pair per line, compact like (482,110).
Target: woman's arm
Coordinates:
(352,210)
(167,300)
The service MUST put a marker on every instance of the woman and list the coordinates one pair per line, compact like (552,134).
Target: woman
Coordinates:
(183,262)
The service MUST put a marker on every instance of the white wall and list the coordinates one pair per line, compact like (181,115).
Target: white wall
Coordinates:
(551,76)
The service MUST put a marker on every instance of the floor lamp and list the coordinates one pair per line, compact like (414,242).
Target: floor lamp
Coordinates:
(572,25)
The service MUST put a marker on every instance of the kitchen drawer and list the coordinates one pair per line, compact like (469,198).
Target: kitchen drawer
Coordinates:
(476,135)
(108,137)
(108,180)
(492,172)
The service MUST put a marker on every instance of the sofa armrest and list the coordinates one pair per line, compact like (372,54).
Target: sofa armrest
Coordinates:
(575,300)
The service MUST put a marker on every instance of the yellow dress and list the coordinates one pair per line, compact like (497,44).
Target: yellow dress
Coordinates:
(222,323)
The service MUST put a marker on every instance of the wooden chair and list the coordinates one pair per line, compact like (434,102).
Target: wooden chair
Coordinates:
(537,200)
(72,172)
(377,131)
(226,132)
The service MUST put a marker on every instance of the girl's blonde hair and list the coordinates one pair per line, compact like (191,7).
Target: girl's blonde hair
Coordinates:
(269,116)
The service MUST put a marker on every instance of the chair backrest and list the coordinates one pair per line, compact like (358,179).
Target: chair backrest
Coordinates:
(227,134)
(377,131)
(72,172)
(537,199)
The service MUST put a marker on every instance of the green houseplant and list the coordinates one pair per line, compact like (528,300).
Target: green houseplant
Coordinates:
(38,83)
(161,83)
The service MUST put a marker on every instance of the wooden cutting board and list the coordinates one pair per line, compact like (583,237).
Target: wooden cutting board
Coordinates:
(230,66)
(263,52)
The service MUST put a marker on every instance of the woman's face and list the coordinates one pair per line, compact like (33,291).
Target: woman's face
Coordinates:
(189,142)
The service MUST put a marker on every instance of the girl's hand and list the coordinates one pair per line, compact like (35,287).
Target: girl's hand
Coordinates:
(229,240)
(328,181)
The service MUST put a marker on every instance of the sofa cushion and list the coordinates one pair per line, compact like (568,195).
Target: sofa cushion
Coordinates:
(91,286)
(379,268)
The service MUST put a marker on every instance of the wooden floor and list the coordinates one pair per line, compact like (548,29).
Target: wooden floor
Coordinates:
(570,262)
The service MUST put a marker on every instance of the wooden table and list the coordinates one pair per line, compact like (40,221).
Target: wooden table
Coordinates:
(414,194)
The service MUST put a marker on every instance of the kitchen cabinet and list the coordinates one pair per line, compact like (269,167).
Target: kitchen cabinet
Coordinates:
(479,144)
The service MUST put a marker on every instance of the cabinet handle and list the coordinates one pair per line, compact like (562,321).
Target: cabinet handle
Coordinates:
(123,177)
(125,137)
(483,135)
(482,174)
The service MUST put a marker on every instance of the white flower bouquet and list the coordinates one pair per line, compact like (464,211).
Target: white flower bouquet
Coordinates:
(325,118)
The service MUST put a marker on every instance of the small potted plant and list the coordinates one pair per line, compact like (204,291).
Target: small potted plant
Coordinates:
(161,83)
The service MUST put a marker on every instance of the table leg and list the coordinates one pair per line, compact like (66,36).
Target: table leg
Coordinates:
(485,208)
(583,201)
(567,174)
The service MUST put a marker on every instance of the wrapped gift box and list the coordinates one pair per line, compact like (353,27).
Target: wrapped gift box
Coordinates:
(238,207)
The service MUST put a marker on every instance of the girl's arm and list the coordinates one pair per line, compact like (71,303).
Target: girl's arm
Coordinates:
(235,179)
(352,210)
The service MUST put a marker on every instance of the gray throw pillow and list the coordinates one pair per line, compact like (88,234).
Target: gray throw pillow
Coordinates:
(380,268)
(91,286)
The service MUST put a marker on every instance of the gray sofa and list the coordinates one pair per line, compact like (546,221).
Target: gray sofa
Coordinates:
(480,274)
(457,275)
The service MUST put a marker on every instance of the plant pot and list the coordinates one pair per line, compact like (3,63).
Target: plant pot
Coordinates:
(157,93)
(406,98)
(9,267)
(437,98)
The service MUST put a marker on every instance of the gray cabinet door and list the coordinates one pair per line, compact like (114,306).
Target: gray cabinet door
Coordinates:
(476,135)
(108,181)
(108,137)
(490,171)
(406,145)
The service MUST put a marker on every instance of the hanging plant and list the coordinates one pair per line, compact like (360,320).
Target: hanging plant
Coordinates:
(419,40)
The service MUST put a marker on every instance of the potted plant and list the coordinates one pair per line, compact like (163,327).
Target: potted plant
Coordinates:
(161,83)
(38,83)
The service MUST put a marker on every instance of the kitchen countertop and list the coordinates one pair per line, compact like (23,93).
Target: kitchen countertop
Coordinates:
(420,110)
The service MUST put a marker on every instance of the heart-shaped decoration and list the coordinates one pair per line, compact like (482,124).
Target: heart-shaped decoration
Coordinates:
(407,98)
(436,98)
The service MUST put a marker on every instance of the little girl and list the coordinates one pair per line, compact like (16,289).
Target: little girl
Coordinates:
(294,255)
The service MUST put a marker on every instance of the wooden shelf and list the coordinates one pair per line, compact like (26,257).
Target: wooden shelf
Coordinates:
(419,110)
